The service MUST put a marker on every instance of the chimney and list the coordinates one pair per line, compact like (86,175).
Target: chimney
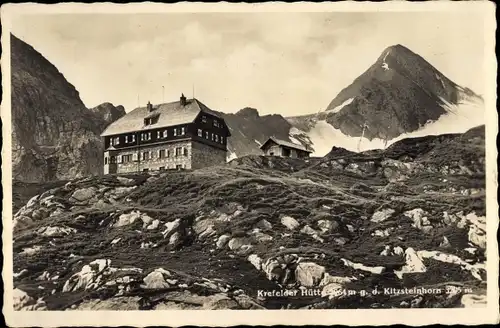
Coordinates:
(150,107)
(183,100)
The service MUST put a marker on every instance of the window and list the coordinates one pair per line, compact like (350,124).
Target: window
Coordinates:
(216,124)
(145,156)
(178,167)
(175,132)
(145,170)
(151,120)
(142,136)
(162,153)
(216,138)
(168,152)
(113,159)
(204,119)
(133,138)
(105,160)
(149,135)
(117,141)
(206,134)
(126,158)
(126,139)
(221,140)
(162,168)
(158,135)
(183,131)
(178,151)
(185,151)
(212,137)
(200,133)
(165,133)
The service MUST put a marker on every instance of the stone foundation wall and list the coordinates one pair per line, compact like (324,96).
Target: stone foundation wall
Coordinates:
(204,155)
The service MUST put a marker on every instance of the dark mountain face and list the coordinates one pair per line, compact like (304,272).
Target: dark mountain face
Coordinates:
(399,93)
(249,131)
(54,136)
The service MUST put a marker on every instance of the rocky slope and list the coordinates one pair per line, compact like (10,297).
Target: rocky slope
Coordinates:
(340,231)
(399,94)
(54,135)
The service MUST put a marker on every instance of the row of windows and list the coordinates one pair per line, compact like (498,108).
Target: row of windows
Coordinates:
(216,123)
(147,155)
(146,136)
(215,137)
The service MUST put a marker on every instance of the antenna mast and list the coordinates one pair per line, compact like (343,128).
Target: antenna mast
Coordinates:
(193,90)
(162,94)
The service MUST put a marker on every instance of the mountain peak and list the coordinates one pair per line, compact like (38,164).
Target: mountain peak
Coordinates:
(248,112)
(398,94)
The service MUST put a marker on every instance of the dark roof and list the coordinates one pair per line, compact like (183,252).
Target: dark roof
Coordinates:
(286,144)
(170,114)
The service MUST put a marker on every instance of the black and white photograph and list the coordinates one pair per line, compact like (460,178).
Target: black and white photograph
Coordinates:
(230,157)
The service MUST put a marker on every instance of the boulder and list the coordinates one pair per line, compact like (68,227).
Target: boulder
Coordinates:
(309,274)
(170,227)
(222,241)
(360,266)
(413,263)
(125,181)
(154,225)
(382,215)
(420,220)
(445,242)
(237,243)
(85,194)
(126,219)
(327,226)
(477,230)
(289,222)
(55,231)
(256,261)
(264,225)
(174,239)
(156,279)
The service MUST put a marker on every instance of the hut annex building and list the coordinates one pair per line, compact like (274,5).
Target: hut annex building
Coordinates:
(184,134)
(277,147)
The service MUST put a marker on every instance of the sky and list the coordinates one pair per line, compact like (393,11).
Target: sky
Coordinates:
(285,63)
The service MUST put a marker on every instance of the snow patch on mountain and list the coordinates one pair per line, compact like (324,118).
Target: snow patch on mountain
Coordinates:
(385,66)
(459,119)
(338,108)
